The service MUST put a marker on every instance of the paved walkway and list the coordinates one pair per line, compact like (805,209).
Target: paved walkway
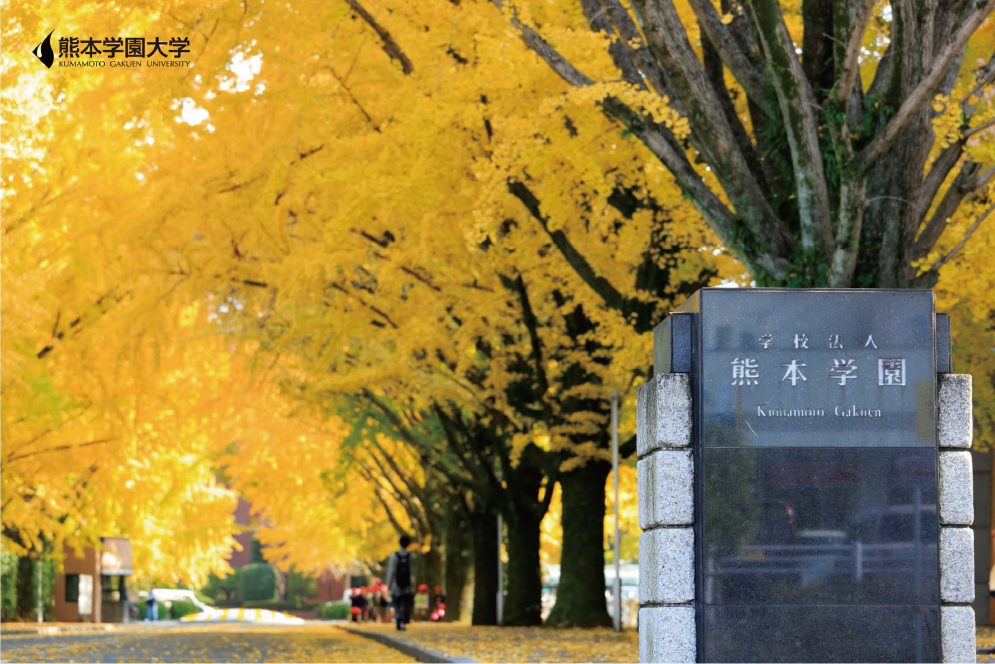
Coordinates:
(198,643)
(455,643)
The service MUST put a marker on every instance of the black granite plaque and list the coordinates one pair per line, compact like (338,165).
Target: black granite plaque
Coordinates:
(817,368)
(816,523)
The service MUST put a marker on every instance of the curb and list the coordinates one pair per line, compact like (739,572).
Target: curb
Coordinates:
(59,629)
(408,648)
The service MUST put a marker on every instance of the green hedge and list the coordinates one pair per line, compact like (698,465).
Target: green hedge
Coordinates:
(257,582)
(281,605)
(161,612)
(337,611)
(8,585)
(180,609)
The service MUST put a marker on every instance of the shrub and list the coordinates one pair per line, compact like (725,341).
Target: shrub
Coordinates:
(180,609)
(280,605)
(257,582)
(337,611)
(161,612)
(8,585)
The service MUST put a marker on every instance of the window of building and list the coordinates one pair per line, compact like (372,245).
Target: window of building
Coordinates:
(72,587)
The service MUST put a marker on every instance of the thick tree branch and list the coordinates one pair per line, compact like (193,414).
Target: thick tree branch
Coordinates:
(641,56)
(798,109)
(611,296)
(750,76)
(543,49)
(964,184)
(390,46)
(619,51)
(771,242)
(532,325)
(415,514)
(942,165)
(924,92)
(410,484)
(711,133)
(850,23)
(716,75)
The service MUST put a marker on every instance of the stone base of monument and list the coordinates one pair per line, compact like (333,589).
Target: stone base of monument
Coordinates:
(802,551)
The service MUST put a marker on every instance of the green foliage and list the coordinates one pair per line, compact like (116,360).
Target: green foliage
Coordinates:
(224,590)
(281,605)
(300,586)
(8,585)
(337,611)
(180,609)
(256,551)
(162,613)
(257,582)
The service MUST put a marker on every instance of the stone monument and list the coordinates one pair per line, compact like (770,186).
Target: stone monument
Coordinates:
(805,481)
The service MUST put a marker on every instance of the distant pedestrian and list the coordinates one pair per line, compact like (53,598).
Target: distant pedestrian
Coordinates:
(151,608)
(402,593)
(358,609)
(438,605)
(383,605)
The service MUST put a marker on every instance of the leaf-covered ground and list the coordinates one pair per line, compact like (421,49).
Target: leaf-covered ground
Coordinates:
(208,643)
(519,644)
(986,639)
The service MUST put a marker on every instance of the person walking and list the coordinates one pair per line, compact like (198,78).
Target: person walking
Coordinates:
(151,607)
(402,594)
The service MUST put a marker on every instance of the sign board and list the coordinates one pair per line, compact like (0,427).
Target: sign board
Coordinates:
(815,450)
(115,559)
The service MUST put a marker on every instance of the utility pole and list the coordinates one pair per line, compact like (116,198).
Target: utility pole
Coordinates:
(617,596)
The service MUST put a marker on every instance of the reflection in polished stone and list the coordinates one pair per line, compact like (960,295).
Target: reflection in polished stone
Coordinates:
(820,526)
(821,634)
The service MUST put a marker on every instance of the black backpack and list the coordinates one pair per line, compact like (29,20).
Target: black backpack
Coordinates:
(403,575)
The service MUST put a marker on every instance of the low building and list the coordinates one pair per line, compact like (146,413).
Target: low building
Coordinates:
(93,587)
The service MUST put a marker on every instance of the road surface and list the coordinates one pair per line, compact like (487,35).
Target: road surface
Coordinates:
(200,643)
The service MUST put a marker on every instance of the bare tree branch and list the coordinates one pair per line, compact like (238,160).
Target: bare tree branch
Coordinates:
(927,88)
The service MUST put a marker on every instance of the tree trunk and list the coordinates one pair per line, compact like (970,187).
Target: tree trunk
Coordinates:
(431,571)
(523,605)
(456,565)
(580,598)
(26,582)
(485,560)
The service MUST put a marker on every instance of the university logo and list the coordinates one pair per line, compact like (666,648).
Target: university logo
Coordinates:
(44,52)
